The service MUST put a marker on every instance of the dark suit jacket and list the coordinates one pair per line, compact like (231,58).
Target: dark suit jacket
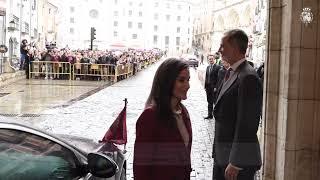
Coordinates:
(211,77)
(159,151)
(237,114)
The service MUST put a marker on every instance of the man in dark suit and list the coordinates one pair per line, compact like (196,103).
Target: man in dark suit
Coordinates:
(237,113)
(210,83)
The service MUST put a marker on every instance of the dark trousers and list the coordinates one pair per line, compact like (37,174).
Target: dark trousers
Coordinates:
(22,61)
(27,71)
(210,101)
(245,174)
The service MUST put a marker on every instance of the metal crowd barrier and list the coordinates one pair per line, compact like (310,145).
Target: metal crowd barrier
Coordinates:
(49,69)
(125,70)
(88,69)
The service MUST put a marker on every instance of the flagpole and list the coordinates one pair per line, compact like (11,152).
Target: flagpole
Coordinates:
(125,104)
(113,132)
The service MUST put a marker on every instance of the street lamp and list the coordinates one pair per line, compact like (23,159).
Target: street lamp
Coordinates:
(12,25)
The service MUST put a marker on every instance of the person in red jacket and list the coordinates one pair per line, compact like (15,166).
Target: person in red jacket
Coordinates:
(163,131)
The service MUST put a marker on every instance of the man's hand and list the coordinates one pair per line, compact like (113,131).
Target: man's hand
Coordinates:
(231,172)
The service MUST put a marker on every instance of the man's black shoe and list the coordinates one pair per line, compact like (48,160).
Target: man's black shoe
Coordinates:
(208,117)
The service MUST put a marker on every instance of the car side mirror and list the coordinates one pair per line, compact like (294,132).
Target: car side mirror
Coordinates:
(101,165)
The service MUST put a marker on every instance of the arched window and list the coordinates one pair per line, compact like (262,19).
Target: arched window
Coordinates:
(246,18)
(10,48)
(219,24)
(233,20)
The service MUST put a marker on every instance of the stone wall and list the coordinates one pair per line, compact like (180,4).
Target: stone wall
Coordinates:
(292,93)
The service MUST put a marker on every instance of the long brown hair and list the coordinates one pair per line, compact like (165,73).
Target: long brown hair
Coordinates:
(162,89)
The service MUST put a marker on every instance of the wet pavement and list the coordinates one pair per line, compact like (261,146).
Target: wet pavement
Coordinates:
(87,109)
(34,96)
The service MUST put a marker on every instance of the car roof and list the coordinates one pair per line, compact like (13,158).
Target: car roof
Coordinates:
(5,124)
(189,56)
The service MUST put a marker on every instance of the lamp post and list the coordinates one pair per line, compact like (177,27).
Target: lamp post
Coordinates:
(12,25)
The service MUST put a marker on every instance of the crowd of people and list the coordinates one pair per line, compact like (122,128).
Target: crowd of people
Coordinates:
(55,55)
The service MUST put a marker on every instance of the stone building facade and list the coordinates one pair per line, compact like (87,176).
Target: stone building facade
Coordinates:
(203,27)
(126,24)
(248,15)
(33,20)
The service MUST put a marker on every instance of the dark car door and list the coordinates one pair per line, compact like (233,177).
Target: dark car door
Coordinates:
(31,157)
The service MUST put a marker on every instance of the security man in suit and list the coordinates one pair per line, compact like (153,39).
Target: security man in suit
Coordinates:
(237,113)
(210,83)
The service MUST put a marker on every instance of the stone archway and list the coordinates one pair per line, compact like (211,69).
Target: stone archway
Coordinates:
(219,24)
(219,28)
(232,20)
(11,47)
(246,17)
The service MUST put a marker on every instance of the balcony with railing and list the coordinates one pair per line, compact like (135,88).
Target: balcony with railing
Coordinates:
(25,28)
(34,33)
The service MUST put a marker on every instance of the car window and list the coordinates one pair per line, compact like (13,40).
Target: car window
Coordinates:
(31,157)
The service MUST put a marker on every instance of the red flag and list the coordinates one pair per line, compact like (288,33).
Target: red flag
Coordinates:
(117,133)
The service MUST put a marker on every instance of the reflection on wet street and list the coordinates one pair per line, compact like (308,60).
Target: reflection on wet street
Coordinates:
(34,96)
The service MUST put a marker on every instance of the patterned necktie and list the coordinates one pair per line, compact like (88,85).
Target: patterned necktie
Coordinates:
(210,68)
(209,73)
(226,77)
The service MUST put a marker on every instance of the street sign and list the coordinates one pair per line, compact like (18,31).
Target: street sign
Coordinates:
(3,48)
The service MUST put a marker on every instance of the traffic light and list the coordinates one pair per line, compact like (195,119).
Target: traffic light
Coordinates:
(93,33)
(93,36)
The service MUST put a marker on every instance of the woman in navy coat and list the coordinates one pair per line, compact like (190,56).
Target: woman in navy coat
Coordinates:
(163,130)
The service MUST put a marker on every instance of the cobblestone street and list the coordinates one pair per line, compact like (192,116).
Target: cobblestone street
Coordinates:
(92,116)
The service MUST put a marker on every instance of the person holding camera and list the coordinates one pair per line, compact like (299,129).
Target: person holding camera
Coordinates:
(23,53)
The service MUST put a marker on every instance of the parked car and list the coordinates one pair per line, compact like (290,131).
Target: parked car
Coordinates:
(29,154)
(192,60)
